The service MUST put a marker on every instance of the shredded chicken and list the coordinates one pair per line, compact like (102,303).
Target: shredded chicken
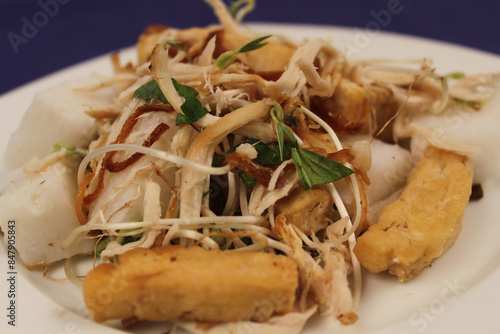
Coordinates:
(227,182)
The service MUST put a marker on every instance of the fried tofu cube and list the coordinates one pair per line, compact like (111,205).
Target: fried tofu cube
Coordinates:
(347,111)
(424,221)
(308,210)
(147,41)
(173,282)
(274,57)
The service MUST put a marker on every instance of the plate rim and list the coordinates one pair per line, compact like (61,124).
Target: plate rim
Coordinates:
(259,25)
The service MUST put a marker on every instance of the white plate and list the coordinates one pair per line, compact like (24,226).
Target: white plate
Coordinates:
(459,294)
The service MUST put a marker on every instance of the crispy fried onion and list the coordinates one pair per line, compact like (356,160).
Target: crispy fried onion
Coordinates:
(107,163)
(244,163)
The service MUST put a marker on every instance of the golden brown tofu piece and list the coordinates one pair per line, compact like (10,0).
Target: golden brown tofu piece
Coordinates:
(308,210)
(273,57)
(172,282)
(424,222)
(147,42)
(195,39)
(347,111)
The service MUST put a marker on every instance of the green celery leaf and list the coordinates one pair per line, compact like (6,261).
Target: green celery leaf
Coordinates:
(184,91)
(182,119)
(291,121)
(148,91)
(192,109)
(248,181)
(315,169)
(101,245)
(151,90)
(267,155)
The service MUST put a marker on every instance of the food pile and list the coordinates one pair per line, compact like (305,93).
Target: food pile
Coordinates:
(232,178)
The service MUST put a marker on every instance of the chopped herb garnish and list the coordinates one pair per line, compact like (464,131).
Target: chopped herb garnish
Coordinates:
(313,168)
(228,57)
(207,193)
(253,45)
(183,90)
(102,244)
(149,91)
(316,169)
(130,238)
(223,242)
(291,121)
(177,45)
(455,75)
(270,155)
(471,104)
(70,149)
(248,181)
(267,154)
(57,147)
(122,240)
(191,108)
(245,6)
(282,130)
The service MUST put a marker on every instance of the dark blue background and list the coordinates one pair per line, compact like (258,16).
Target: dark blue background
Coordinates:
(82,29)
